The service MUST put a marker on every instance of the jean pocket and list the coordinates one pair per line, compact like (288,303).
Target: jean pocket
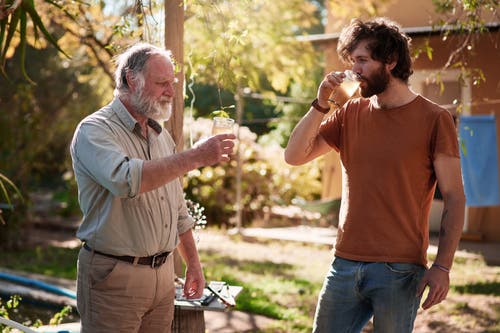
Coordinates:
(402,268)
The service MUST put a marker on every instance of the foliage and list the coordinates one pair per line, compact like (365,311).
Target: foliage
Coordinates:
(86,31)
(291,112)
(4,195)
(14,13)
(248,48)
(265,178)
(249,45)
(11,304)
(468,18)
(14,305)
(37,123)
(365,8)
(49,261)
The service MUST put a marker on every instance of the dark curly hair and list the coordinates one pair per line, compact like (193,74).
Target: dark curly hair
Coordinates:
(387,43)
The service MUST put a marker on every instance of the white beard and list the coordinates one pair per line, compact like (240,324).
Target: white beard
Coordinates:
(163,113)
(159,110)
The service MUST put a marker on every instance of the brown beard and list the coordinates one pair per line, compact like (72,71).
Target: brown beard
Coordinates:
(376,83)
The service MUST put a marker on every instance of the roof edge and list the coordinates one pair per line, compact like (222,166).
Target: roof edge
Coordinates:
(410,31)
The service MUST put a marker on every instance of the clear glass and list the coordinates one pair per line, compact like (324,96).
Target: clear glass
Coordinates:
(345,91)
(222,125)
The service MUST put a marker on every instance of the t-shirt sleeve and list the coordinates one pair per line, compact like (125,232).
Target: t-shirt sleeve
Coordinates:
(330,129)
(444,138)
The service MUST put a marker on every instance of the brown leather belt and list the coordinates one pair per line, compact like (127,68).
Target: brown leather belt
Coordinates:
(154,261)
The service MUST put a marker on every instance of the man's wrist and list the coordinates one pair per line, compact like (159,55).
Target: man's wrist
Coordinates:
(441,267)
(315,104)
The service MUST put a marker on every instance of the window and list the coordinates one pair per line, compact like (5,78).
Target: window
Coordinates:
(454,94)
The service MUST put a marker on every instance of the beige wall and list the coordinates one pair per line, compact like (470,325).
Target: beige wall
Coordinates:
(410,13)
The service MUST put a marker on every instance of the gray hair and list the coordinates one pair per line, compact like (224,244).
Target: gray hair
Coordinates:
(133,61)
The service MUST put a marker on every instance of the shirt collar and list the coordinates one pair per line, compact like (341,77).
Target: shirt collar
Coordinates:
(129,121)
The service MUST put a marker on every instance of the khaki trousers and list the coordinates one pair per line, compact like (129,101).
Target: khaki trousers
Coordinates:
(115,296)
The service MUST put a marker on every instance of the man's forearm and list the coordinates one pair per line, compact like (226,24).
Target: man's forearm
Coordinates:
(451,230)
(156,173)
(303,139)
(188,251)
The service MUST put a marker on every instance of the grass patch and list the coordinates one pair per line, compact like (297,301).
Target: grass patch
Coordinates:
(270,289)
(50,261)
(479,288)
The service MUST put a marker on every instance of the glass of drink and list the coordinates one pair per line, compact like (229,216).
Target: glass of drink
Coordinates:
(345,91)
(222,125)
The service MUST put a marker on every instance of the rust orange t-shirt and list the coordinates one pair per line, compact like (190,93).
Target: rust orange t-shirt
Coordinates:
(388,179)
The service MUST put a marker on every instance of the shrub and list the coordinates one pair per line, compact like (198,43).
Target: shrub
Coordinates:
(265,178)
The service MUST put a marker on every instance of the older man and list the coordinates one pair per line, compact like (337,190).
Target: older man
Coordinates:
(134,212)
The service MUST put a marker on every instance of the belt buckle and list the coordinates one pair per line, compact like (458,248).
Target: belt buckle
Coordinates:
(158,260)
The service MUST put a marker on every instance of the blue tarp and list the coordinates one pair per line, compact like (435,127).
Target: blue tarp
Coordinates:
(479,160)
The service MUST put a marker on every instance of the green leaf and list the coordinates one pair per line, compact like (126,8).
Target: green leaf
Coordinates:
(22,46)
(14,19)
(3,24)
(219,113)
(4,179)
(29,7)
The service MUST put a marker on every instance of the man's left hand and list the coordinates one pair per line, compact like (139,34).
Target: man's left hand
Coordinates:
(439,284)
(194,284)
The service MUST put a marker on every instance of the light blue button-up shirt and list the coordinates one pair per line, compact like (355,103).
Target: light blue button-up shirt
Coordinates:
(108,151)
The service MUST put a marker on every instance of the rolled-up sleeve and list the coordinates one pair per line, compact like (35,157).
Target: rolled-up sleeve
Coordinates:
(102,158)
(184,220)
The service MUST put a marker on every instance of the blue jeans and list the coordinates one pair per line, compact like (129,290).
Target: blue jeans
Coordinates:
(355,291)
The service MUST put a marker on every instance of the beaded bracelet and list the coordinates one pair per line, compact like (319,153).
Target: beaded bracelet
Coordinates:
(444,269)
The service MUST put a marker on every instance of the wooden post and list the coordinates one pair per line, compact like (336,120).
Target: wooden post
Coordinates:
(174,35)
(185,321)
(188,321)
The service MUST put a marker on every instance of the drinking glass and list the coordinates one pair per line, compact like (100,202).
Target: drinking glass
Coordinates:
(222,125)
(345,91)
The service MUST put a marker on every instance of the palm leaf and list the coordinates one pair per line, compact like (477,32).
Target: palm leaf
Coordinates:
(14,19)
(3,25)
(29,7)
(22,46)
(4,179)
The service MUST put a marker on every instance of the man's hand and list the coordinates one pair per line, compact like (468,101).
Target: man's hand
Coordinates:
(215,149)
(439,284)
(326,87)
(194,284)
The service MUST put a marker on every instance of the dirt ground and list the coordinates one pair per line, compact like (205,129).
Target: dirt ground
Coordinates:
(459,313)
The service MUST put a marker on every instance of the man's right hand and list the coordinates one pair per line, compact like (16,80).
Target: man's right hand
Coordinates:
(331,81)
(215,149)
